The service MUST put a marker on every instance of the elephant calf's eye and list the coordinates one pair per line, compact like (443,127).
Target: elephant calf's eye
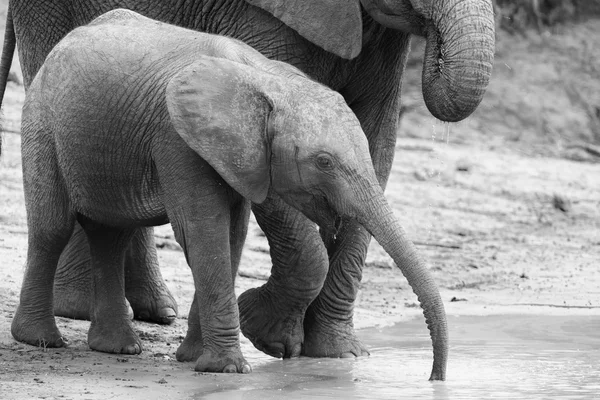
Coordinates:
(325,162)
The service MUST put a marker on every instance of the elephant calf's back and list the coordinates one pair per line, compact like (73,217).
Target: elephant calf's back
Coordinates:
(103,121)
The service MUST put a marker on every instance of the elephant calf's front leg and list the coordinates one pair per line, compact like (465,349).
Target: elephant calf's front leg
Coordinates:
(192,346)
(272,315)
(214,317)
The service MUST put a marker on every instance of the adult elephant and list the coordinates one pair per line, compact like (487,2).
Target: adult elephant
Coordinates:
(359,49)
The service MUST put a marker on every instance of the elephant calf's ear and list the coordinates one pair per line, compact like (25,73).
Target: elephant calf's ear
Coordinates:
(221,115)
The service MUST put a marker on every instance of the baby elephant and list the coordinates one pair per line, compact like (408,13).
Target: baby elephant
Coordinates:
(133,122)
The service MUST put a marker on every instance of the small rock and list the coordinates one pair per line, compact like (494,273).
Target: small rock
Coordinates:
(463,165)
(420,175)
(561,203)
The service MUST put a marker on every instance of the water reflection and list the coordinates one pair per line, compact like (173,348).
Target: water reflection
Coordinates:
(508,357)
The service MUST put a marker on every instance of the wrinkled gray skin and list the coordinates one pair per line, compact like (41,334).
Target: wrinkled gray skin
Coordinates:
(356,49)
(131,122)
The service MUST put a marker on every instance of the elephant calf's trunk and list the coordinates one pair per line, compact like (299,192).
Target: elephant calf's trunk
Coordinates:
(380,221)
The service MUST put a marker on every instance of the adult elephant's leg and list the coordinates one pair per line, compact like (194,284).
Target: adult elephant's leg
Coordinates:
(272,316)
(72,282)
(328,324)
(145,289)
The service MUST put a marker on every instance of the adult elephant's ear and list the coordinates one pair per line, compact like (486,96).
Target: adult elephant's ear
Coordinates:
(334,25)
(217,108)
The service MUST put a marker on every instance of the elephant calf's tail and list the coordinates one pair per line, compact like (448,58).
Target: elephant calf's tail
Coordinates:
(8,50)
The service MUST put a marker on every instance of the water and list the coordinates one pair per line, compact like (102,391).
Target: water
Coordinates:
(497,357)
(436,166)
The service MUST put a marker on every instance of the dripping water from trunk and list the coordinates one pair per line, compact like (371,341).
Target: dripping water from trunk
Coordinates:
(436,167)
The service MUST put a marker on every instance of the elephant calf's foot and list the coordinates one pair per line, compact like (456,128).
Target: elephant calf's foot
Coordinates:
(229,361)
(37,331)
(331,339)
(269,331)
(157,306)
(110,337)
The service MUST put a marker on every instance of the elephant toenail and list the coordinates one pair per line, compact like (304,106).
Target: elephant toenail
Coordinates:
(297,349)
(167,315)
(230,369)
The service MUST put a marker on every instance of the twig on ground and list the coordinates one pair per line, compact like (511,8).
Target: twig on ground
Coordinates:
(434,244)
(259,277)
(553,305)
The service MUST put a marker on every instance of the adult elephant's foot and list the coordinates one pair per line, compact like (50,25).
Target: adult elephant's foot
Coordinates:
(36,331)
(110,337)
(71,301)
(229,361)
(190,349)
(158,306)
(272,316)
(145,287)
(150,301)
(270,331)
(331,337)
(192,346)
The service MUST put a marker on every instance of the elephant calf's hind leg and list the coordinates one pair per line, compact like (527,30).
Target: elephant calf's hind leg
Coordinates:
(50,224)
(34,322)
(111,330)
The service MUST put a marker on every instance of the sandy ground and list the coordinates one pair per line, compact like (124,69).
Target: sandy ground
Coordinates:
(503,231)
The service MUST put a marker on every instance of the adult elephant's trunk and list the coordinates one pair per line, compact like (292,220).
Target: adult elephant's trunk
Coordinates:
(458,57)
(8,50)
(377,217)
(459,52)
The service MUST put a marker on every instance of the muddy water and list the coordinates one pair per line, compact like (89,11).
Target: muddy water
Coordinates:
(508,357)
